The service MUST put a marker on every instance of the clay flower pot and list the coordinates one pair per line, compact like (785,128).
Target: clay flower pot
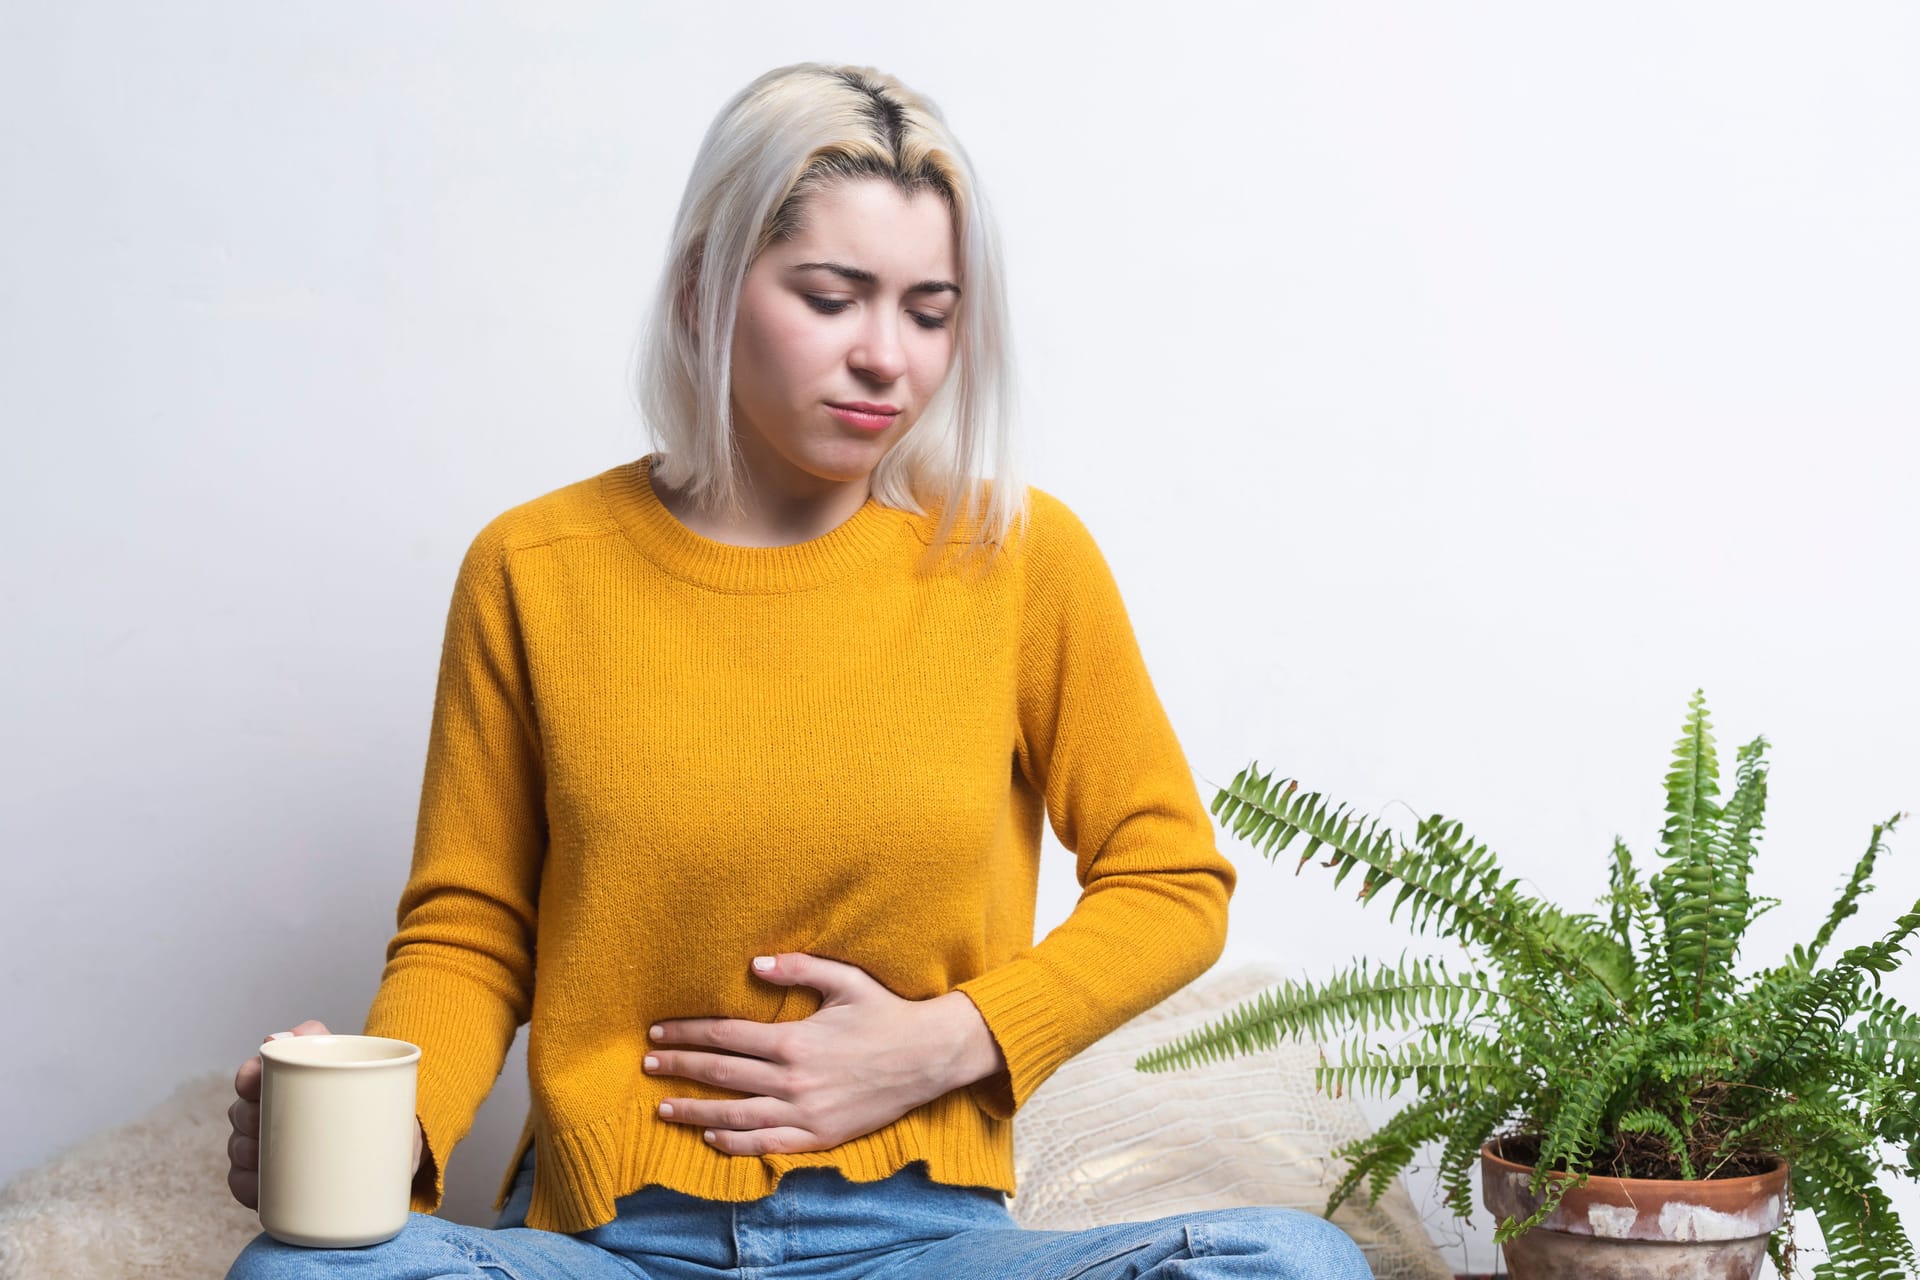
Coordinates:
(1638,1228)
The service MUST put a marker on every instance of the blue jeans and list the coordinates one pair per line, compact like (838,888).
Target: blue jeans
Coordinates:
(818,1226)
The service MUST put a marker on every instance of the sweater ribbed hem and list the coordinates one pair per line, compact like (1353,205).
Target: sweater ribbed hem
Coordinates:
(719,566)
(579,1173)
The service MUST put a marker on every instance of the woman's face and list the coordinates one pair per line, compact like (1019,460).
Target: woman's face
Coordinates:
(859,307)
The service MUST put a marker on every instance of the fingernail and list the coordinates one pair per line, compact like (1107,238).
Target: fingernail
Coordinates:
(650,1062)
(708,1135)
(666,1108)
(763,963)
(281,1035)
(655,1032)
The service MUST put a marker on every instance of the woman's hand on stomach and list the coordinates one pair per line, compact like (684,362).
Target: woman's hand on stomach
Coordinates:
(865,1058)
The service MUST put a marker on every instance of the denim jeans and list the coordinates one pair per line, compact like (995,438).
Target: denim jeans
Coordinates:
(818,1226)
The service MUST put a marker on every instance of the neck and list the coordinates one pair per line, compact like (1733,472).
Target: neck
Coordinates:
(771,515)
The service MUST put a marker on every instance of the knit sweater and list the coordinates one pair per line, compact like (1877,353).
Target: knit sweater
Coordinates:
(654,756)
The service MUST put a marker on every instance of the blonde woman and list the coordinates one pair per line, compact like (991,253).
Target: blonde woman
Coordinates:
(750,741)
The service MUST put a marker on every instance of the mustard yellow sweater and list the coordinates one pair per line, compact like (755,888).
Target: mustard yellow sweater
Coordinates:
(654,756)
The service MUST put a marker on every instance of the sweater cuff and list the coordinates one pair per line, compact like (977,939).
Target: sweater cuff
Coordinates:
(1014,1001)
(457,1067)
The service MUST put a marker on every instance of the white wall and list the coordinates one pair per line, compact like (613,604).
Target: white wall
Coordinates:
(1452,395)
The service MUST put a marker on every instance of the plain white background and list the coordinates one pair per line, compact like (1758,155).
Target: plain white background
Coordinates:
(1452,394)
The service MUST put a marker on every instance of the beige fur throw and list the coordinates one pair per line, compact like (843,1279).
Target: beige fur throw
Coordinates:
(147,1199)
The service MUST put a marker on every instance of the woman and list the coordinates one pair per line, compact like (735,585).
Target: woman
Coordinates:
(750,741)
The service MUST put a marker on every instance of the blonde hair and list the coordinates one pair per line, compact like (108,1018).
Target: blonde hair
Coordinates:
(792,131)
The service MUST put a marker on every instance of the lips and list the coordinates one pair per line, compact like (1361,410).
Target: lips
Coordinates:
(859,416)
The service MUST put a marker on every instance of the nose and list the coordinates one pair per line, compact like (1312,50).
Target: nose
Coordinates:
(879,353)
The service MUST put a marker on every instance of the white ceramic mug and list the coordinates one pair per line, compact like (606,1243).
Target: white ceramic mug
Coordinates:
(336,1139)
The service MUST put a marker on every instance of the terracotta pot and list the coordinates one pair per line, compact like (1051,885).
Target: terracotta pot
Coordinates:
(1638,1228)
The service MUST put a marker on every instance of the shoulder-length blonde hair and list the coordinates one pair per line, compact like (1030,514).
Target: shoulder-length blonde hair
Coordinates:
(792,131)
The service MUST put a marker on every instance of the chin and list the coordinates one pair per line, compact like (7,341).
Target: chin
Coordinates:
(848,461)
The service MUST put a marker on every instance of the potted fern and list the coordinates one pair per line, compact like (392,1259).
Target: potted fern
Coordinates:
(1637,1105)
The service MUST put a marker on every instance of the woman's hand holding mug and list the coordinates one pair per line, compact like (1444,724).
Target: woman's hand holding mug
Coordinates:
(243,1148)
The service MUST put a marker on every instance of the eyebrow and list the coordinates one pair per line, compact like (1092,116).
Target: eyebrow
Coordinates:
(861,276)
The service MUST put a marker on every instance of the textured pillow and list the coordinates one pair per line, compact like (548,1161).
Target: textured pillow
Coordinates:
(1100,1142)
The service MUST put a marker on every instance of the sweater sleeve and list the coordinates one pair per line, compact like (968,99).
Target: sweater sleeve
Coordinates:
(458,980)
(1096,744)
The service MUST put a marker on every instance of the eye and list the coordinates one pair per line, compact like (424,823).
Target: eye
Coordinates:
(833,307)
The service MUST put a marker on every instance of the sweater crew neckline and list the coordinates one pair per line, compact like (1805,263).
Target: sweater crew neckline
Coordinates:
(723,566)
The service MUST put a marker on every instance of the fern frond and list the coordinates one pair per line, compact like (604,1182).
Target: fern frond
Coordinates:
(1691,1065)
(1359,999)
(1269,814)
(1697,962)
(1775,1126)
(1555,1190)
(1584,938)
(1571,1133)
(1887,1040)
(1630,907)
(1734,906)
(1442,1060)
(1445,862)
(1858,884)
(1825,999)
(1451,885)
(1476,1120)
(1378,1156)
(1864,1238)
(1647,1120)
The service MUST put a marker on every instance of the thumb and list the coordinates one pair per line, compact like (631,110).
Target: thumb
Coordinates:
(834,979)
(311,1027)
